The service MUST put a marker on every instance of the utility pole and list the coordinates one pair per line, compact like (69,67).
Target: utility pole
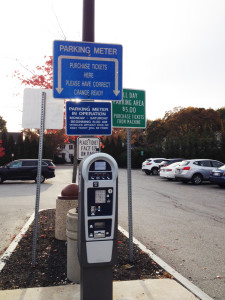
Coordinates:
(88,35)
(88,21)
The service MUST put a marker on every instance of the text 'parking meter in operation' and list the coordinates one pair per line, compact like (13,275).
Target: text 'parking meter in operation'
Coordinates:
(97,225)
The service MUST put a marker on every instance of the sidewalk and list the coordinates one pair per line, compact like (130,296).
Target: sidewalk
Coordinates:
(149,289)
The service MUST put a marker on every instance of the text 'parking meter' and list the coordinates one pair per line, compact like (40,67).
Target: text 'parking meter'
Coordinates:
(97,225)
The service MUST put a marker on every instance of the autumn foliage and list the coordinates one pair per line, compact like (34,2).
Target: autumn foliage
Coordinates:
(41,77)
(2,150)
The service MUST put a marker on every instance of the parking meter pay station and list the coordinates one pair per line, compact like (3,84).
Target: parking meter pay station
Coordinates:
(97,225)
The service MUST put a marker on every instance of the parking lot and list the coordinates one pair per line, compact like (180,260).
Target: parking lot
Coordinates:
(181,223)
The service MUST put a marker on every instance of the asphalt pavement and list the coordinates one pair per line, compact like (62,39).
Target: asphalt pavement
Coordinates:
(182,224)
(18,199)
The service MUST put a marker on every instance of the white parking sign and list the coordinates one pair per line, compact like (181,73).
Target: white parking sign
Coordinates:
(86,146)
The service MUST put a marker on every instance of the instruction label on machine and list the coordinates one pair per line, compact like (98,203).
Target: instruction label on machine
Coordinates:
(88,118)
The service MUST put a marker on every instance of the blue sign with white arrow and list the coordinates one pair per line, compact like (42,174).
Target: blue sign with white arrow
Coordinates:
(88,118)
(87,71)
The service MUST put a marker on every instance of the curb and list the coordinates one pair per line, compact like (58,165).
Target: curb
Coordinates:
(5,256)
(14,243)
(186,283)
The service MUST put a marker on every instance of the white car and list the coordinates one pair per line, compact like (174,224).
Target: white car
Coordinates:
(169,171)
(151,165)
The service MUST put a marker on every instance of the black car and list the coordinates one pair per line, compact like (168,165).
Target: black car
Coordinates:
(26,169)
(169,161)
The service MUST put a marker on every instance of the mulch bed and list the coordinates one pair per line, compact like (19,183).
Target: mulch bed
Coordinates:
(50,269)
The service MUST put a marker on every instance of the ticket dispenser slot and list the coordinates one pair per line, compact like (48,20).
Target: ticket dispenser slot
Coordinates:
(97,225)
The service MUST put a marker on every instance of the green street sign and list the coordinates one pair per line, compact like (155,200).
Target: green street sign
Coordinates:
(129,112)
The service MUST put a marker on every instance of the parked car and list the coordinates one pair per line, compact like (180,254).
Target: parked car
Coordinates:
(169,161)
(169,171)
(196,170)
(26,169)
(217,176)
(151,165)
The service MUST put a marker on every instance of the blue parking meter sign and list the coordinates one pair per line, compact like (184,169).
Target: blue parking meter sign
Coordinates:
(88,118)
(87,71)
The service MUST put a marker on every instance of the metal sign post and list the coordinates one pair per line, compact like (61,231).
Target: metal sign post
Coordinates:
(129,184)
(129,113)
(38,179)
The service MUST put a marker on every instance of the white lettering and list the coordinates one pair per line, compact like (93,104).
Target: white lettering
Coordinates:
(74,49)
(108,51)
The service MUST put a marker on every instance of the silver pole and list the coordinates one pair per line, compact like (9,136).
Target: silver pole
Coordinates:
(129,184)
(43,98)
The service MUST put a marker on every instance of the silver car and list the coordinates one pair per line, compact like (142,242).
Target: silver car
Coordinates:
(196,170)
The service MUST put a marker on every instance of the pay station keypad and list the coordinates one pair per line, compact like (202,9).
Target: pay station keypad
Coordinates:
(100,201)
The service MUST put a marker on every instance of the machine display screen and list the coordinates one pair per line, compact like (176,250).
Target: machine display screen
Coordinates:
(100,196)
(100,165)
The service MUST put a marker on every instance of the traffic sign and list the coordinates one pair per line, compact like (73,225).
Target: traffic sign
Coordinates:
(87,71)
(87,145)
(88,118)
(54,110)
(130,112)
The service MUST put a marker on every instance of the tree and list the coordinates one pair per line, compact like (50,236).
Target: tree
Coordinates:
(4,140)
(19,151)
(52,140)
(222,147)
(183,120)
(221,111)
(187,132)
(2,150)
(41,77)
(10,151)
(156,135)
(2,124)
